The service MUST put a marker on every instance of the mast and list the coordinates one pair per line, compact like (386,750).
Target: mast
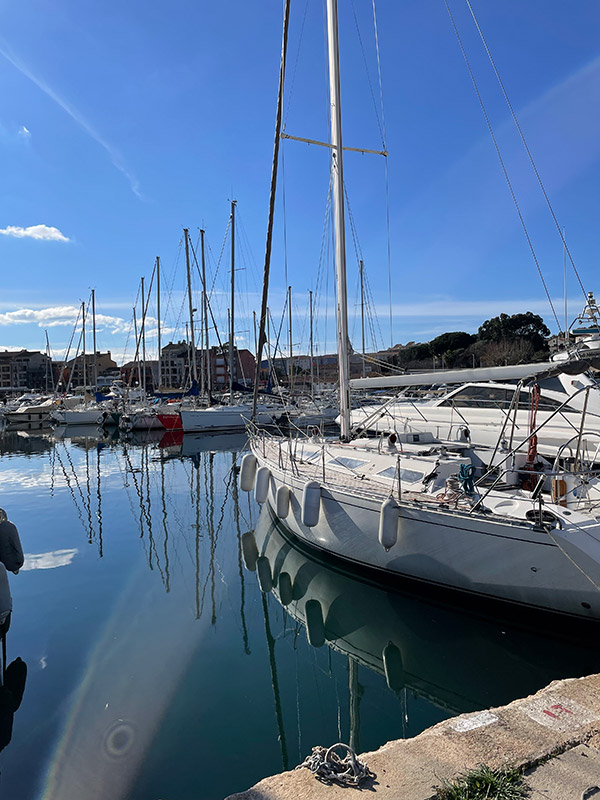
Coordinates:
(194,370)
(291,361)
(362,315)
(338,212)
(143,332)
(94,340)
(232,318)
(312,355)
(158,317)
(205,307)
(265,292)
(83,346)
(137,349)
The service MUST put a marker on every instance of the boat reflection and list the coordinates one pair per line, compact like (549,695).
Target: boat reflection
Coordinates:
(12,687)
(458,659)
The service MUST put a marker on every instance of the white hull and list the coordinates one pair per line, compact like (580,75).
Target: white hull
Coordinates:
(221,418)
(498,558)
(74,417)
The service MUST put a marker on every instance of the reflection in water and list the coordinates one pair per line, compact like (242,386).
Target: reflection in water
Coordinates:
(12,687)
(152,633)
(456,660)
(51,560)
(159,640)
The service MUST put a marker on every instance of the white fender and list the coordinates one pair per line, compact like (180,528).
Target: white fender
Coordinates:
(263,570)
(388,523)
(247,472)
(5,598)
(249,550)
(261,487)
(393,667)
(286,590)
(282,501)
(315,627)
(311,504)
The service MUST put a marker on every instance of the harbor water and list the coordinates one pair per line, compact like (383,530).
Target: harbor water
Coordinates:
(180,646)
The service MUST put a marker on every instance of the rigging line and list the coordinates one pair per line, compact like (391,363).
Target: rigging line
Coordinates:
(362,49)
(376,30)
(525,145)
(387,183)
(389,248)
(291,91)
(212,288)
(285,252)
(504,170)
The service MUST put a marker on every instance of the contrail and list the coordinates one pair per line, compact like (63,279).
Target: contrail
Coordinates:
(114,156)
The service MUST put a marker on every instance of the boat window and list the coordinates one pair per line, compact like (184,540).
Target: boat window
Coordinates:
(496,397)
(344,461)
(480,397)
(408,475)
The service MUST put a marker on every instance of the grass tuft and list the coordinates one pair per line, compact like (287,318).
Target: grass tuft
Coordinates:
(484,783)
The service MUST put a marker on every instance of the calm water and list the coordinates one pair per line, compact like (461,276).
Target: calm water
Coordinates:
(157,668)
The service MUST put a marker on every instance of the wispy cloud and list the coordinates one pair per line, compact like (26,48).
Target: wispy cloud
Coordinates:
(45,232)
(115,157)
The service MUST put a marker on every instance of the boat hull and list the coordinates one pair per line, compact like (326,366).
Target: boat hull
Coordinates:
(494,558)
(221,418)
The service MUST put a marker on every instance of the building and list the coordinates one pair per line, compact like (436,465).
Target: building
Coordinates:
(25,369)
(79,371)
(175,366)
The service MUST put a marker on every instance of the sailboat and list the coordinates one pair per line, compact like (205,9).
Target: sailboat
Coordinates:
(409,506)
(233,416)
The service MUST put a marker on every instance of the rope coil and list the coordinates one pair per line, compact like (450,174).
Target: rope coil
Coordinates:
(327,766)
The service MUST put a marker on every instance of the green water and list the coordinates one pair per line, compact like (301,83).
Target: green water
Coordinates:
(157,668)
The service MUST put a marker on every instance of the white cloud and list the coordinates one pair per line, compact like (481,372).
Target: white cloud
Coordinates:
(55,316)
(44,232)
(24,132)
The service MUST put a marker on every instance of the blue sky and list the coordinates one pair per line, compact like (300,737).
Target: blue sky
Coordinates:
(124,122)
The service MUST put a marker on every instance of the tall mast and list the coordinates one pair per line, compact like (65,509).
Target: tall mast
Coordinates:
(265,292)
(362,315)
(232,318)
(205,307)
(143,331)
(94,340)
(158,318)
(312,355)
(83,345)
(194,370)
(291,361)
(137,350)
(338,212)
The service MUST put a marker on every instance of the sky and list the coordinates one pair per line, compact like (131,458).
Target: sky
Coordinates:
(124,122)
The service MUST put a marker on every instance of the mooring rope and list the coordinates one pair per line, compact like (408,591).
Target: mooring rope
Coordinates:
(327,766)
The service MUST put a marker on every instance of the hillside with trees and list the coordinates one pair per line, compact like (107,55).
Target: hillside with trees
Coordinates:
(514,339)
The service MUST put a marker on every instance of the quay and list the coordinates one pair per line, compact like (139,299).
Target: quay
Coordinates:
(554,735)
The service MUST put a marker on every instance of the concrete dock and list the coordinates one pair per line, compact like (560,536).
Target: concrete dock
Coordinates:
(554,735)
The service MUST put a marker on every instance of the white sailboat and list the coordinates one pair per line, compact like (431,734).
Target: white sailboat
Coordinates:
(410,508)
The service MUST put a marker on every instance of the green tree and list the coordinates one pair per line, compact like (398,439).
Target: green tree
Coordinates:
(529,327)
(452,341)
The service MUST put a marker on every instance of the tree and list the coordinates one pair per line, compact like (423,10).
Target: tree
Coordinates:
(527,327)
(454,340)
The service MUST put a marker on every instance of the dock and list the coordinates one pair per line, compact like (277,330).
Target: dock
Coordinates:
(553,735)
